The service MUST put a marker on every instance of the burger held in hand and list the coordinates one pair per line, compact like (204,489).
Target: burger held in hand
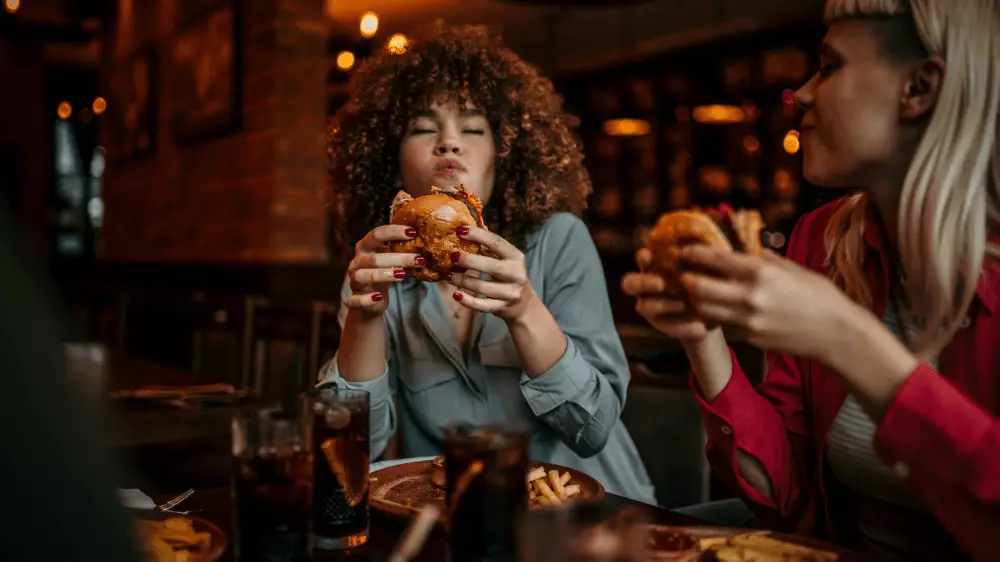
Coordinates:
(436,217)
(734,231)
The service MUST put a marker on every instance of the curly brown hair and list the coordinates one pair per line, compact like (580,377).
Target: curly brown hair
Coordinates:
(539,163)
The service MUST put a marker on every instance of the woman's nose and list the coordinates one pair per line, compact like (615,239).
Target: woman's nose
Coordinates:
(447,147)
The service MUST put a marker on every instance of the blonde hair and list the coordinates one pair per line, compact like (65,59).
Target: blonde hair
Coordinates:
(949,197)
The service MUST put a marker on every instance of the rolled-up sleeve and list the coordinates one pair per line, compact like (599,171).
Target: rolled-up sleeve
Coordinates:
(580,397)
(382,415)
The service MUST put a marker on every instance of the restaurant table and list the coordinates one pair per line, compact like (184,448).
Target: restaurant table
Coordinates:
(215,505)
(133,423)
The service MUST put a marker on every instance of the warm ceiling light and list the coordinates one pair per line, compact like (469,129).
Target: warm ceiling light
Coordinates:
(751,144)
(12,5)
(369,24)
(100,104)
(397,44)
(626,127)
(791,142)
(718,114)
(345,60)
(64,110)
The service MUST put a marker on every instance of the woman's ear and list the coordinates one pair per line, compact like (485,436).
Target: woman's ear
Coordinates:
(922,88)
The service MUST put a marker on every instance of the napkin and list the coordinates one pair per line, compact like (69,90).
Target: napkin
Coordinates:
(135,499)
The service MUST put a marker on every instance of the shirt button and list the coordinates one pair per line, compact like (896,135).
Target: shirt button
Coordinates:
(727,430)
(965,323)
(901,469)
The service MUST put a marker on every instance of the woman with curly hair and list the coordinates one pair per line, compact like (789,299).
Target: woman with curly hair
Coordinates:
(535,342)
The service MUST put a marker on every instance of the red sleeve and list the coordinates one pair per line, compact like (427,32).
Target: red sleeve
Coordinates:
(947,448)
(768,423)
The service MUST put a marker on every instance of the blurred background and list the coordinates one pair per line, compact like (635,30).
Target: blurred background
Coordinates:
(165,159)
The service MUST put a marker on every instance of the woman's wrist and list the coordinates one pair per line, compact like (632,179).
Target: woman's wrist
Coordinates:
(710,362)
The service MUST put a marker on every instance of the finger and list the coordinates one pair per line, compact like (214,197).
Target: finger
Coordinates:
(381,261)
(702,288)
(637,284)
(656,307)
(494,242)
(643,258)
(490,266)
(714,313)
(365,300)
(382,234)
(481,304)
(367,277)
(722,261)
(490,289)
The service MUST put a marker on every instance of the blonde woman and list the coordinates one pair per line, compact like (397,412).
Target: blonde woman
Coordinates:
(878,425)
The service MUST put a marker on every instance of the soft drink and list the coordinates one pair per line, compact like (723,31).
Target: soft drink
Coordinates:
(340,468)
(485,472)
(272,490)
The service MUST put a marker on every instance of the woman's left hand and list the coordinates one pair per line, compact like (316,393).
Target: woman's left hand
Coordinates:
(508,292)
(777,303)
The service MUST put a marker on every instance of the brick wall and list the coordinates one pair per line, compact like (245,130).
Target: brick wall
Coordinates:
(253,196)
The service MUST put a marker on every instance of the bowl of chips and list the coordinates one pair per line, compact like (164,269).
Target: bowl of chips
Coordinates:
(166,537)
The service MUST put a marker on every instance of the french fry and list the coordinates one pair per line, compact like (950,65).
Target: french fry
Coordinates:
(546,492)
(536,473)
(556,482)
(709,542)
(565,479)
(762,543)
(542,500)
(532,495)
(572,490)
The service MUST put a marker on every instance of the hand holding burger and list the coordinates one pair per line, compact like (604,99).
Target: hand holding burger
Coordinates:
(663,297)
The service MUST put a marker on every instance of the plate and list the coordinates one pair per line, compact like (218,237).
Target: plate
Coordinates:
(699,533)
(217,545)
(399,490)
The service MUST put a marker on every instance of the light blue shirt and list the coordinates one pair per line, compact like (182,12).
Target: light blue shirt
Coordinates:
(573,409)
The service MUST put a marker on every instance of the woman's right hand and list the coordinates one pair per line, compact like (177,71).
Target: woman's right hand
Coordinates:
(371,273)
(670,315)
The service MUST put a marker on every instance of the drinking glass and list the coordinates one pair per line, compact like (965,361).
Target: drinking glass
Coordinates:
(272,485)
(340,467)
(485,470)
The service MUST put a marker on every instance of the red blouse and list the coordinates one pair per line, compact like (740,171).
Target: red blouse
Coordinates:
(941,432)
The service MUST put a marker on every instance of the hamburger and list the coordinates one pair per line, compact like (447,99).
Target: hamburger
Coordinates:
(436,218)
(731,230)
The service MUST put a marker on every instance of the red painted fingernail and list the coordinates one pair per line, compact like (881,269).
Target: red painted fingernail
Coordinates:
(399,274)
(455,256)
(377,297)
(447,276)
(457,295)
(419,260)
(411,232)
(462,230)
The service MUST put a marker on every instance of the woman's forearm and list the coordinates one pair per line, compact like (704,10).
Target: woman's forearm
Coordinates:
(713,367)
(870,359)
(539,340)
(711,363)
(361,355)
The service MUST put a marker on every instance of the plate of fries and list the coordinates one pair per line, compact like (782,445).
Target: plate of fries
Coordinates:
(720,544)
(173,538)
(400,490)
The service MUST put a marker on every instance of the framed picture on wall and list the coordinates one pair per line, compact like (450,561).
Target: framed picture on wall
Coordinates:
(205,75)
(133,105)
